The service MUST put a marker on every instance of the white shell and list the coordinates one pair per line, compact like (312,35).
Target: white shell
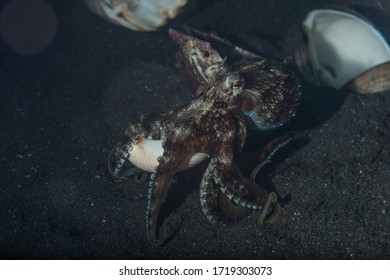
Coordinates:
(342,46)
(146,152)
(192,160)
(138,15)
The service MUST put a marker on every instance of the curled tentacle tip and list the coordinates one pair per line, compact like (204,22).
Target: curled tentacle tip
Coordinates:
(141,177)
(272,199)
(158,239)
(276,214)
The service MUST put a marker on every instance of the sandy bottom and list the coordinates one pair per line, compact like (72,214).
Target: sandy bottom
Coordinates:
(63,109)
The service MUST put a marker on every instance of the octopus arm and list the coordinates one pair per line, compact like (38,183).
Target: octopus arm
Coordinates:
(215,205)
(250,161)
(267,152)
(238,188)
(169,164)
(118,156)
(209,193)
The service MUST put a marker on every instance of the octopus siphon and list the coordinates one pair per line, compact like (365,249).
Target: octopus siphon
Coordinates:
(253,91)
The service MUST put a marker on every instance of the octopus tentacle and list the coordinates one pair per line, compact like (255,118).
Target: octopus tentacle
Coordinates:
(258,167)
(118,157)
(264,155)
(209,197)
(141,177)
(215,205)
(151,223)
(237,187)
(274,146)
(157,190)
(259,157)
(272,199)
(160,181)
(269,151)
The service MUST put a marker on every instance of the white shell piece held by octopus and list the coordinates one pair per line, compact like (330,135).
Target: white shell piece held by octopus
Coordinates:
(145,154)
(138,15)
(343,50)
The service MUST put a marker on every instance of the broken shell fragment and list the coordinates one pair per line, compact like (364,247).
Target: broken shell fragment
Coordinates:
(342,50)
(138,15)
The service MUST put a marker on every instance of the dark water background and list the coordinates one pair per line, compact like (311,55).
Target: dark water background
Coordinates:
(65,97)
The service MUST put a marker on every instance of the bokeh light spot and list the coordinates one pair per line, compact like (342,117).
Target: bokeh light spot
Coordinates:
(28,26)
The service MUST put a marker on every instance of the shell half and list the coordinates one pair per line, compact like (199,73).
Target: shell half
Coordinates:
(340,47)
(138,15)
(146,153)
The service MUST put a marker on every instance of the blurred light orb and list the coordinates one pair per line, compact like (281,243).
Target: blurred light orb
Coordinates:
(28,26)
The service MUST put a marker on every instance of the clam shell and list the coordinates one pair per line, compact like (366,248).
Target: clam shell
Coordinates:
(138,15)
(376,79)
(336,47)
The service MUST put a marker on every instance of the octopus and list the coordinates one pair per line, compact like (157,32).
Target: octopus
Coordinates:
(253,92)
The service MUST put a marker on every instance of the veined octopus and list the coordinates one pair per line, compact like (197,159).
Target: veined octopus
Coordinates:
(213,127)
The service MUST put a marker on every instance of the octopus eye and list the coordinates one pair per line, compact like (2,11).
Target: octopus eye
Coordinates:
(233,84)
(236,84)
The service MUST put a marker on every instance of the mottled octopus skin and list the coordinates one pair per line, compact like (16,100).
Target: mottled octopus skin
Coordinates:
(215,205)
(213,124)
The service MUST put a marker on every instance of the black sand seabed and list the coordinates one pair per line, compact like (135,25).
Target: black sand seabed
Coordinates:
(63,109)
